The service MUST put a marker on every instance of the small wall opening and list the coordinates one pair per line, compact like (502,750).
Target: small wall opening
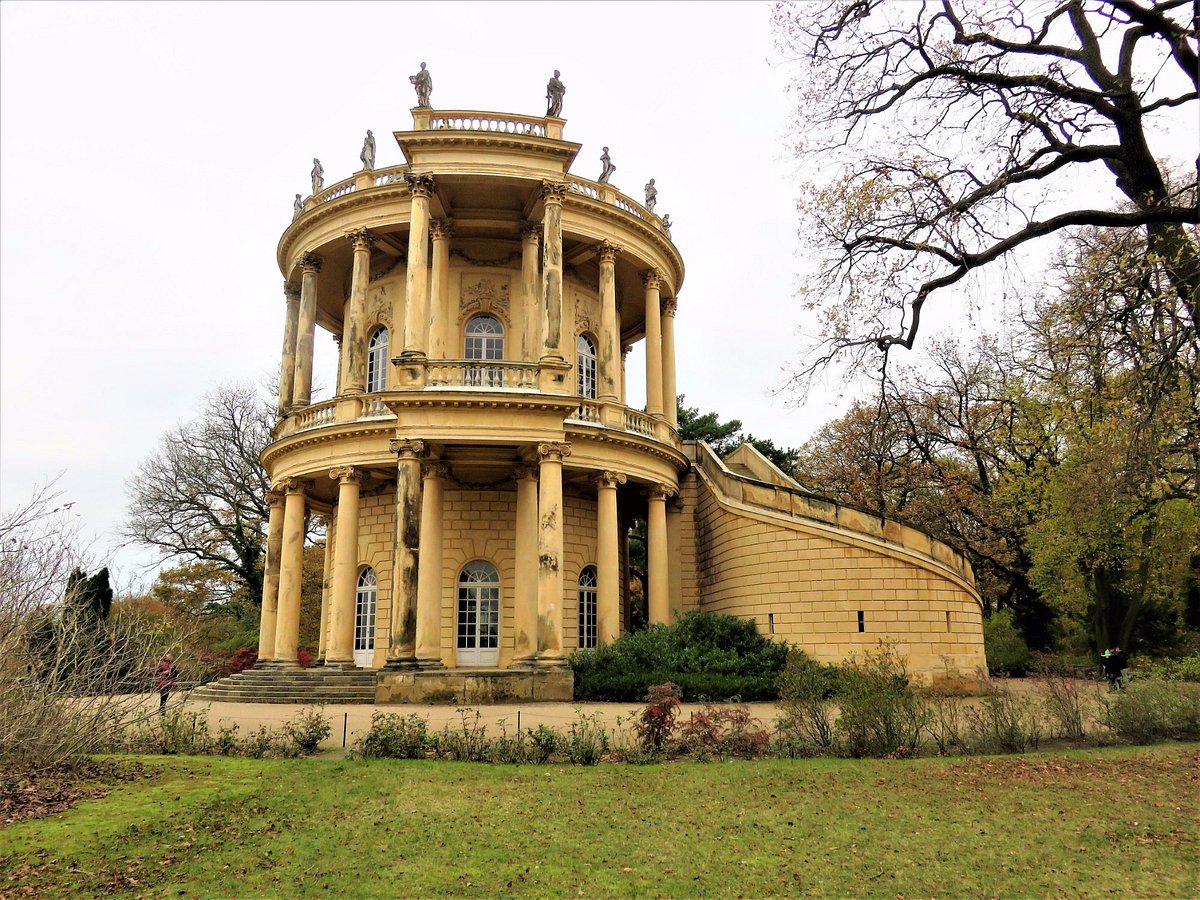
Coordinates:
(947,620)
(862,622)
(770,623)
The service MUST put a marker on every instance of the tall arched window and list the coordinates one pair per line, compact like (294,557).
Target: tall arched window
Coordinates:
(364,618)
(377,359)
(585,367)
(587,608)
(478,614)
(484,340)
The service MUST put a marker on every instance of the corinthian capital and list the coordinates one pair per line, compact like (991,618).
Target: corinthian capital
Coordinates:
(311,261)
(554,191)
(406,448)
(420,185)
(291,290)
(652,279)
(608,251)
(554,450)
(361,238)
(669,307)
(440,229)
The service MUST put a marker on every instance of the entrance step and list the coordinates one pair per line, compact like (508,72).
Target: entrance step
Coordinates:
(307,686)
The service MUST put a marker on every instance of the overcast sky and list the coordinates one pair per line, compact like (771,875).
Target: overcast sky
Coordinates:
(149,153)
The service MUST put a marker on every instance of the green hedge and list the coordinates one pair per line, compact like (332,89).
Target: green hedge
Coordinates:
(708,656)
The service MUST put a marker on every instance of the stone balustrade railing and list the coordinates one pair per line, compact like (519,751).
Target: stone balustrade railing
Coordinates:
(341,189)
(474,373)
(585,187)
(314,416)
(639,423)
(588,411)
(390,175)
(475,120)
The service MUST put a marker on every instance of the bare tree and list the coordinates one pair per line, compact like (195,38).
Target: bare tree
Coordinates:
(956,133)
(203,494)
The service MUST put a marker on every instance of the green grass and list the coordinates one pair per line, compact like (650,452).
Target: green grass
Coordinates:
(1119,821)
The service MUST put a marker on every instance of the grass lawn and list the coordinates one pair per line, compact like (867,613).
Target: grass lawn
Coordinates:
(1119,821)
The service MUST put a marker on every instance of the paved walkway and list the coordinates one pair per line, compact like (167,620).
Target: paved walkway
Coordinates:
(354,719)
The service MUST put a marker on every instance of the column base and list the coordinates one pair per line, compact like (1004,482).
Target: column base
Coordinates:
(413,355)
(401,663)
(343,664)
(551,662)
(431,664)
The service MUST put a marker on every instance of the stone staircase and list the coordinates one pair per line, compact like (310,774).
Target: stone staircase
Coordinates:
(316,685)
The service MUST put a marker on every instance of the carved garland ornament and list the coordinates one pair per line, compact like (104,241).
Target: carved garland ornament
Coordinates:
(486,294)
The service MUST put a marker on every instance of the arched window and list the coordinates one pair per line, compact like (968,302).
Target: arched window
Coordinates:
(478,614)
(585,367)
(377,360)
(364,618)
(587,608)
(485,340)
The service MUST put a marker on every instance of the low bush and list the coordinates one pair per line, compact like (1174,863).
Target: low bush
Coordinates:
(392,736)
(881,714)
(1004,646)
(1152,709)
(655,725)
(188,733)
(587,740)
(1186,668)
(707,656)
(722,731)
(308,729)
(1004,722)
(806,689)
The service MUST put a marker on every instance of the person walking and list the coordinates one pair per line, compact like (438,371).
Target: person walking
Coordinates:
(164,678)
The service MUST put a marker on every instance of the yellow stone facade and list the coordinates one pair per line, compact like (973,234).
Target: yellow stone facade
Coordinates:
(478,469)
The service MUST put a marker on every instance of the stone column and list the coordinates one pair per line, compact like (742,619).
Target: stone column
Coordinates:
(326,576)
(287,365)
(291,574)
(402,641)
(439,288)
(337,340)
(608,573)
(429,577)
(654,363)
(610,331)
(416,309)
(530,294)
(550,552)
(656,554)
(552,275)
(674,554)
(306,328)
(624,356)
(525,587)
(270,597)
(340,648)
(670,403)
(354,340)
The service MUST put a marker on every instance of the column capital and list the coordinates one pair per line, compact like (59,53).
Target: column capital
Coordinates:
(669,307)
(659,491)
(608,251)
(526,473)
(652,279)
(274,497)
(347,475)
(406,448)
(290,486)
(420,185)
(291,290)
(554,191)
(441,229)
(310,262)
(361,238)
(531,232)
(607,479)
(553,450)
(433,468)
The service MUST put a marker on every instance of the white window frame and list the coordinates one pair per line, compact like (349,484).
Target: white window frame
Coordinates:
(477,615)
(365,604)
(588,608)
(377,360)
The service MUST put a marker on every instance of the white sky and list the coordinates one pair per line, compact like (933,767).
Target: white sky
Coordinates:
(149,153)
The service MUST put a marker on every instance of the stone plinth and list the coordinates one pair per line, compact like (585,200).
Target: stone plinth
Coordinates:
(474,686)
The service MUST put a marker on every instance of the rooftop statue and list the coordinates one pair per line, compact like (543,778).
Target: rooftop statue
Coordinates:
(318,176)
(297,207)
(368,152)
(554,95)
(423,83)
(666,224)
(606,168)
(651,195)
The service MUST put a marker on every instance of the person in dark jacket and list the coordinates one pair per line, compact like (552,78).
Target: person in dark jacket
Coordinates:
(164,679)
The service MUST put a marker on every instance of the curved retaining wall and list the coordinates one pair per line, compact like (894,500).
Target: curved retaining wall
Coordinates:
(829,579)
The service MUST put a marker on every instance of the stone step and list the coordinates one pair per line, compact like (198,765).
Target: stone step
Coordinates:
(291,686)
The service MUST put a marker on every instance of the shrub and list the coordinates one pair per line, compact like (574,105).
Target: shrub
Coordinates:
(393,736)
(587,740)
(806,689)
(881,714)
(307,730)
(1004,722)
(1151,709)
(707,656)
(1004,646)
(655,725)
(1065,702)
(728,731)
(1186,668)
(467,743)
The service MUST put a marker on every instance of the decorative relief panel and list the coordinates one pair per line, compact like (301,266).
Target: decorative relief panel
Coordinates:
(379,305)
(484,294)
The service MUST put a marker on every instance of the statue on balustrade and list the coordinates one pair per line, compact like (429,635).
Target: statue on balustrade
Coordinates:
(423,83)
(606,168)
(318,176)
(666,223)
(651,195)
(368,152)
(554,95)
(297,207)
